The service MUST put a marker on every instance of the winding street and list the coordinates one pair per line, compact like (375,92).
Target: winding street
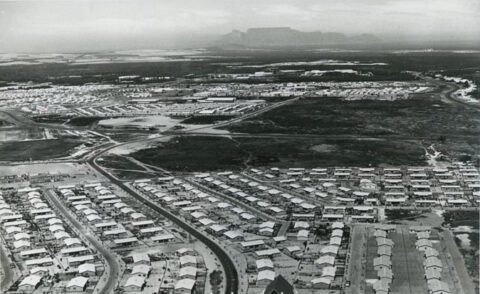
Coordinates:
(231,274)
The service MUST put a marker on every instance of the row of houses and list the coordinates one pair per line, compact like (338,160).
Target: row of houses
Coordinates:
(40,251)
(123,226)
(383,262)
(268,200)
(431,264)
(395,186)
(328,255)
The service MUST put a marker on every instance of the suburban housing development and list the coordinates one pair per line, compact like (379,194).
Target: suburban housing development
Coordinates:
(265,160)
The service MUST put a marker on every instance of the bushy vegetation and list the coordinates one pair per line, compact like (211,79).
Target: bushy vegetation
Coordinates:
(36,150)
(203,153)
(206,119)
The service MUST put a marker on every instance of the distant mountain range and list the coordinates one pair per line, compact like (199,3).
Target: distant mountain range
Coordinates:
(285,36)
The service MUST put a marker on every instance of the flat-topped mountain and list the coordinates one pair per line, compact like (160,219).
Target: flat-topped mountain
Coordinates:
(286,36)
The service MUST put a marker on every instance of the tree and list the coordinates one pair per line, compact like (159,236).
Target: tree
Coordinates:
(215,280)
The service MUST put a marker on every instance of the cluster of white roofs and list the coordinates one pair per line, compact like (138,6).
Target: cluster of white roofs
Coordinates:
(140,271)
(50,99)
(384,93)
(142,268)
(261,202)
(453,183)
(37,259)
(383,262)
(328,254)
(111,228)
(188,270)
(193,208)
(432,264)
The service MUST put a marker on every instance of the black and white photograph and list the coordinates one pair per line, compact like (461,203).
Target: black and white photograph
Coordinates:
(239,146)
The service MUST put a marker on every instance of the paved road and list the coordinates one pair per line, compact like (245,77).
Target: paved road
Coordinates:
(449,89)
(228,265)
(112,265)
(356,265)
(407,264)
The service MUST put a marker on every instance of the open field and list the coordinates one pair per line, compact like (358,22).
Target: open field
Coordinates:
(421,116)
(5,123)
(201,153)
(36,149)
(117,162)
(75,121)
(210,119)
(21,134)
(453,128)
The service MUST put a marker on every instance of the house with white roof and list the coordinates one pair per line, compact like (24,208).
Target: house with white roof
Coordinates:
(30,283)
(87,270)
(142,270)
(265,277)
(188,272)
(134,284)
(184,286)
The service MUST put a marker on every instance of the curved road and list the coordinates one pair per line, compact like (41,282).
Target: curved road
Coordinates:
(113,266)
(447,93)
(231,274)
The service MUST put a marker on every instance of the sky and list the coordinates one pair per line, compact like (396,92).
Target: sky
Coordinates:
(82,25)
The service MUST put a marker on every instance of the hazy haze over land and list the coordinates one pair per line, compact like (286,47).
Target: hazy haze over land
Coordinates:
(67,25)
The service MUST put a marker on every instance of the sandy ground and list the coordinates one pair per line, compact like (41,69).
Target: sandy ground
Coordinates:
(136,146)
(21,135)
(158,121)
(53,168)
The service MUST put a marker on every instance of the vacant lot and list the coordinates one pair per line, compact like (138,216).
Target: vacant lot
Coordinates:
(5,123)
(36,149)
(454,128)
(20,134)
(201,153)
(208,119)
(118,162)
(421,116)
(80,121)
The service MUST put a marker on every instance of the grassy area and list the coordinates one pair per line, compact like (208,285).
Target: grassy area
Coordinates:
(118,162)
(401,214)
(131,175)
(462,218)
(4,123)
(207,119)
(81,121)
(50,119)
(194,153)
(36,149)
(454,128)
(84,121)
(420,116)
(202,153)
